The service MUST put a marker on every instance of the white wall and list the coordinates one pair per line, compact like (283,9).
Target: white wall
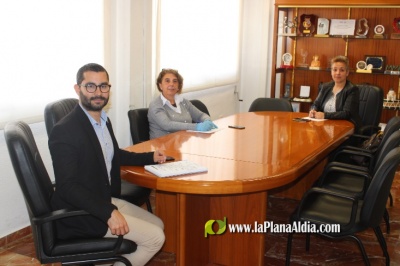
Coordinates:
(130,72)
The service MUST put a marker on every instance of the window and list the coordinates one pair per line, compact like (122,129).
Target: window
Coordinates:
(43,44)
(203,48)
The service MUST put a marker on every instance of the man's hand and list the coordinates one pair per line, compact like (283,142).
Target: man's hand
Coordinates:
(117,224)
(159,156)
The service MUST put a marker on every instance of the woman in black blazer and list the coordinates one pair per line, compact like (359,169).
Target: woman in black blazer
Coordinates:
(339,98)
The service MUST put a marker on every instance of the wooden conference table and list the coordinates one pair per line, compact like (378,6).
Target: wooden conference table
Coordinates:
(272,154)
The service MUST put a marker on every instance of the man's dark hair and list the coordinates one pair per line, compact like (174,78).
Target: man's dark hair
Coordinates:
(89,67)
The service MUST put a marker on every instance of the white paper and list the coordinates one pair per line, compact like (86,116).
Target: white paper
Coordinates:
(304,91)
(314,119)
(175,168)
(342,26)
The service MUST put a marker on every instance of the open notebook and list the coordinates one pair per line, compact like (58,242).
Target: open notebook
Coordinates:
(175,168)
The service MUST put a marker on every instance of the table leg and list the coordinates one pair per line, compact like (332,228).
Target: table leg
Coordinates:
(185,216)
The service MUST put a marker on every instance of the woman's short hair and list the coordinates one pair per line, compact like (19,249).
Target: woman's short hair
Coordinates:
(165,71)
(341,59)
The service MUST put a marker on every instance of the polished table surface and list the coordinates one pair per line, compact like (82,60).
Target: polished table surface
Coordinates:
(272,152)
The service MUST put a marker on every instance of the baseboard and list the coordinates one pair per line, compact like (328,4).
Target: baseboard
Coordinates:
(11,238)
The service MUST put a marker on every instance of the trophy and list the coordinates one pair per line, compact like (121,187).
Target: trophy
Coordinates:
(287,59)
(379,30)
(307,24)
(362,67)
(315,63)
(287,90)
(362,29)
(396,28)
(303,54)
(288,26)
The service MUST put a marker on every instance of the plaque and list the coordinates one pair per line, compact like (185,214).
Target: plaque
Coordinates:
(379,30)
(287,60)
(307,24)
(342,27)
(362,28)
(323,28)
(396,29)
(377,62)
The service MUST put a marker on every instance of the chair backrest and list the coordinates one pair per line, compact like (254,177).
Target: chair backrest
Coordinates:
(33,179)
(392,125)
(139,125)
(56,110)
(392,142)
(371,104)
(377,194)
(270,104)
(200,105)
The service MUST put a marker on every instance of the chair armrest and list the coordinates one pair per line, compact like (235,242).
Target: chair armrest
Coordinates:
(310,197)
(357,139)
(330,173)
(58,214)
(355,156)
(368,130)
(348,165)
(64,213)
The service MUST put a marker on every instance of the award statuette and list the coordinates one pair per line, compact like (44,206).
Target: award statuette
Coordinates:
(396,29)
(303,63)
(287,59)
(287,90)
(379,30)
(323,28)
(288,26)
(315,63)
(362,29)
(307,24)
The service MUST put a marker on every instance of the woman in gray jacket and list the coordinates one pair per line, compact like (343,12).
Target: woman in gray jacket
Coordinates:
(170,112)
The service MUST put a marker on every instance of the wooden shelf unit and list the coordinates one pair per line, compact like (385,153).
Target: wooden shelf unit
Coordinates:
(356,49)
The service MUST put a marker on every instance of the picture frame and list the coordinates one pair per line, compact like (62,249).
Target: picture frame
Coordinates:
(378,62)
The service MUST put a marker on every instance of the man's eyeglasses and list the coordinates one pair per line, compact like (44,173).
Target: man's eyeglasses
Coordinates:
(91,87)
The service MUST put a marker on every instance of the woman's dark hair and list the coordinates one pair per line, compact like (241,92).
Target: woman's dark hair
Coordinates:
(174,72)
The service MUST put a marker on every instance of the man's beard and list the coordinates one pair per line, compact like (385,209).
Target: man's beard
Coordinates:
(87,102)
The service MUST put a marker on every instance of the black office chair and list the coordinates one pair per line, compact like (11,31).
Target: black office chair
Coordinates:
(370,108)
(354,179)
(339,155)
(270,104)
(201,106)
(139,125)
(55,111)
(37,189)
(321,206)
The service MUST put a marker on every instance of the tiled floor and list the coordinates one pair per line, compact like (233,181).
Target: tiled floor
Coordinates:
(322,251)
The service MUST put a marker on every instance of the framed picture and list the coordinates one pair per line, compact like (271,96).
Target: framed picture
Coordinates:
(378,62)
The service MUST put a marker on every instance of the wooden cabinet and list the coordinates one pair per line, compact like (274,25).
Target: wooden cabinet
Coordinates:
(356,49)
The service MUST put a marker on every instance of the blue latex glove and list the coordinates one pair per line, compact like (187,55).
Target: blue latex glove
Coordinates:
(205,126)
(214,126)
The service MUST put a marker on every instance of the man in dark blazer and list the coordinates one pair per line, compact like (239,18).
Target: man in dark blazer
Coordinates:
(86,161)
